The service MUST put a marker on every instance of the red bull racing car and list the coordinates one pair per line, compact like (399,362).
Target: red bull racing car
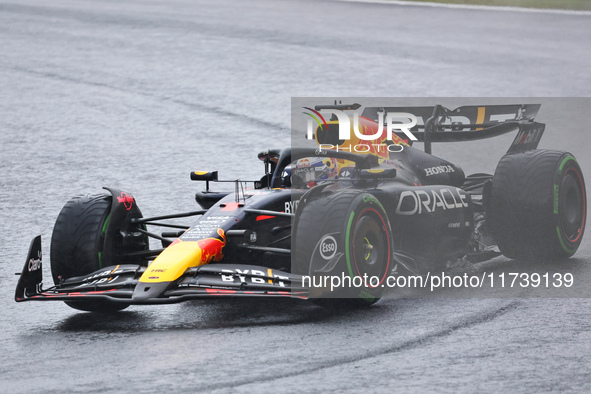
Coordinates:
(324,210)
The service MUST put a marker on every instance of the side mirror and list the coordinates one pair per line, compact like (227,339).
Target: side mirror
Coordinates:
(204,176)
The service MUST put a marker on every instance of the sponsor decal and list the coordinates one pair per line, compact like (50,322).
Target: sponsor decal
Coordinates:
(458,122)
(206,227)
(327,247)
(253,276)
(291,206)
(211,248)
(253,237)
(346,173)
(102,274)
(528,138)
(438,170)
(556,198)
(413,202)
(303,163)
(126,200)
(35,264)
(525,137)
(101,277)
(368,198)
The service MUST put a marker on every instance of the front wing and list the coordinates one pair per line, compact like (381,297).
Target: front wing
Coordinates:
(118,283)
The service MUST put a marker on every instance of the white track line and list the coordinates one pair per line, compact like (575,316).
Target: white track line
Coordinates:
(473,7)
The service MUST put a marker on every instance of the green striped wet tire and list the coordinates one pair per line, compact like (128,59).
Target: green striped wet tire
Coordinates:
(351,227)
(77,244)
(537,205)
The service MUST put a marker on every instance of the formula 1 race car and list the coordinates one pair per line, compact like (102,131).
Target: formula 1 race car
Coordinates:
(324,210)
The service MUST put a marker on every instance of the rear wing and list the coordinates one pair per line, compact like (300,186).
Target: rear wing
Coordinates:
(469,123)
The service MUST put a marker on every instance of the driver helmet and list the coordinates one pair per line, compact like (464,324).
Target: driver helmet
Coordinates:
(312,170)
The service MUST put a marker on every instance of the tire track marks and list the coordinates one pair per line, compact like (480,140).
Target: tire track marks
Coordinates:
(238,117)
(422,340)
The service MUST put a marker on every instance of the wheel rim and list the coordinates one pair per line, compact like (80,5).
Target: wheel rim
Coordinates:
(371,245)
(572,205)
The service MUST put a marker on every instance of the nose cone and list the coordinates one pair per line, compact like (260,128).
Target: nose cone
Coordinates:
(147,291)
(173,262)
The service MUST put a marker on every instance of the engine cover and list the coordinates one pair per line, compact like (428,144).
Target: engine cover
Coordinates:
(434,223)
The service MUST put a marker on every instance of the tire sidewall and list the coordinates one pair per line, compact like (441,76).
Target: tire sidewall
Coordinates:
(330,218)
(365,205)
(78,245)
(566,167)
(77,242)
(527,206)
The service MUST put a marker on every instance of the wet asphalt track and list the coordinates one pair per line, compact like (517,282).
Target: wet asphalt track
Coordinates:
(138,94)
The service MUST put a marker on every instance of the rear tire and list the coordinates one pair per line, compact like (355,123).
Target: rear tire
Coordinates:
(351,224)
(537,205)
(77,245)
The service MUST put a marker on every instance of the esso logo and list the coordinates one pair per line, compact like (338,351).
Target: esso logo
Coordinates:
(328,247)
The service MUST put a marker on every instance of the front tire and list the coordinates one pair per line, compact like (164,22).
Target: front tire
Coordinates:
(77,245)
(537,205)
(345,234)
